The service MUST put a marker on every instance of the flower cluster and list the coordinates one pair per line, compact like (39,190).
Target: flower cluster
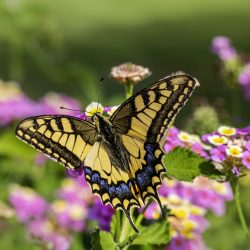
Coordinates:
(230,147)
(222,46)
(188,203)
(51,224)
(15,105)
(232,63)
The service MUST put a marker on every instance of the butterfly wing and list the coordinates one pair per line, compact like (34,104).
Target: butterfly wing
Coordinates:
(113,185)
(142,121)
(65,139)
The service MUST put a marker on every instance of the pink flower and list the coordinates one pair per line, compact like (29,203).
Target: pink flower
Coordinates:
(218,154)
(27,203)
(246,159)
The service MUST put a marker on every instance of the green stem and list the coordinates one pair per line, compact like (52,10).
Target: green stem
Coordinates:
(129,90)
(125,228)
(118,225)
(235,186)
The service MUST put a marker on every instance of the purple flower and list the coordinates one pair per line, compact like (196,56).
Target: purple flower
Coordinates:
(235,171)
(219,43)
(45,232)
(152,211)
(248,145)
(218,154)
(246,159)
(244,76)
(198,149)
(74,173)
(244,131)
(101,213)
(70,216)
(227,54)
(244,80)
(221,46)
(15,105)
(27,203)
(180,243)
(75,191)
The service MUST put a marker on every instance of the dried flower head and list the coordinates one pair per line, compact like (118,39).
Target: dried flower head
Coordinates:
(129,73)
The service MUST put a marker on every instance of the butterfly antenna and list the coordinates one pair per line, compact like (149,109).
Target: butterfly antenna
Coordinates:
(78,110)
(100,90)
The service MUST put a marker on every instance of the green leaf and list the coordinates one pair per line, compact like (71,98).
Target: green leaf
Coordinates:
(101,240)
(185,165)
(155,234)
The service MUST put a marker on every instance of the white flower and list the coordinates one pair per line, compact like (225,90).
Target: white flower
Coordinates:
(227,131)
(93,108)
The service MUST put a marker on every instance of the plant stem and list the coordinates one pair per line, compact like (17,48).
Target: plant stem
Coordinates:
(118,225)
(235,186)
(125,228)
(129,90)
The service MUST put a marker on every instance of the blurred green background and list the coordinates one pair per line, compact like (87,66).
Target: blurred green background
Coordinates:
(66,46)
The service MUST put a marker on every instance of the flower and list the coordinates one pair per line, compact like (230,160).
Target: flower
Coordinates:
(244,80)
(227,131)
(246,159)
(217,140)
(221,46)
(48,235)
(14,104)
(102,214)
(236,171)
(244,76)
(69,215)
(27,203)
(129,73)
(219,43)
(93,108)
(234,150)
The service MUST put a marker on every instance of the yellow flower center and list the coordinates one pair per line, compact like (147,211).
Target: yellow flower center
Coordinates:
(228,131)
(185,137)
(217,140)
(59,206)
(77,212)
(93,108)
(234,151)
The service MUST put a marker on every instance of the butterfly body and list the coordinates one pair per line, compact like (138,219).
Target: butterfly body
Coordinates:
(122,154)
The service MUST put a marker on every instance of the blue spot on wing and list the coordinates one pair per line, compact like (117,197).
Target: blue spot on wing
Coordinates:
(95,178)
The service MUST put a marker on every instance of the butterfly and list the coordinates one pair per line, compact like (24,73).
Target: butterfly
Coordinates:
(122,155)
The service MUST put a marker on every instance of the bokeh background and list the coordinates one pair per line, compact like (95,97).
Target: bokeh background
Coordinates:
(67,46)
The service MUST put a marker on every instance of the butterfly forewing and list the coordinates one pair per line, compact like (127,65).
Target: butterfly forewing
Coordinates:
(65,139)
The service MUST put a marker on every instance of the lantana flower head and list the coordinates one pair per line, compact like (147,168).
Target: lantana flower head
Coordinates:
(129,73)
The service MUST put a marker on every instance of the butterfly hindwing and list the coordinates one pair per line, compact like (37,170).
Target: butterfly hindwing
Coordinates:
(65,139)
(113,185)
(142,121)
